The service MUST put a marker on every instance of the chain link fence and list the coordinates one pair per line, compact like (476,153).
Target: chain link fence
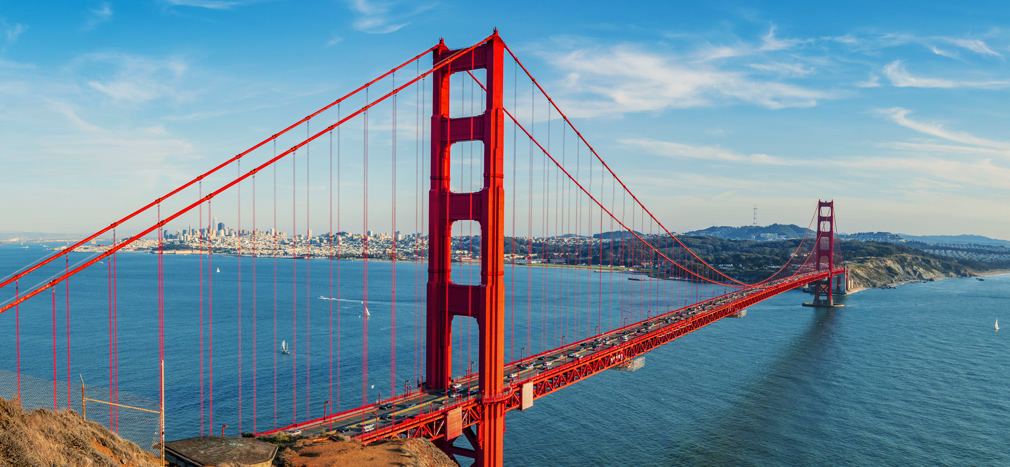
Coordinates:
(136,418)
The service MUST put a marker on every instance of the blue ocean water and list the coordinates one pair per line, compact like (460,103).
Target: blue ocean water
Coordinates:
(909,376)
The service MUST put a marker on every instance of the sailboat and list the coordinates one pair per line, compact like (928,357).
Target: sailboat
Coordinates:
(284,348)
(218,269)
(367,314)
(997,324)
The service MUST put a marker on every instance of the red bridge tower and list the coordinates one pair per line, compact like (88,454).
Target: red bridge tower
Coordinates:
(824,257)
(484,302)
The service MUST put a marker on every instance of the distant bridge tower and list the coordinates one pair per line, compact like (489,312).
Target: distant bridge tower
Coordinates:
(824,257)
(484,302)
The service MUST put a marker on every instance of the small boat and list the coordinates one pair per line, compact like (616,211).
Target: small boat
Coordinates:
(284,348)
(218,269)
(997,324)
(367,314)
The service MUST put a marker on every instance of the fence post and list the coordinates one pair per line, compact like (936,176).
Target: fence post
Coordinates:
(84,400)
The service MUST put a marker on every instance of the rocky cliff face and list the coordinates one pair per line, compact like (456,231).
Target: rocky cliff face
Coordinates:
(879,272)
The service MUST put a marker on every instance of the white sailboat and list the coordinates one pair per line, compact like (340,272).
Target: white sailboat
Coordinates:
(218,269)
(367,314)
(284,348)
(997,324)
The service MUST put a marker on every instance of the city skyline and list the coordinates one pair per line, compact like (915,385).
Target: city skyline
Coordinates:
(897,116)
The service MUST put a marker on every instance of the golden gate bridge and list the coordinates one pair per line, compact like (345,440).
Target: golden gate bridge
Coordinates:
(512,187)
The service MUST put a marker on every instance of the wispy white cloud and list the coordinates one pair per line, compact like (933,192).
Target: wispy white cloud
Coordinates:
(900,116)
(944,53)
(973,45)
(133,78)
(709,153)
(872,82)
(965,173)
(770,42)
(620,79)
(68,112)
(334,41)
(96,16)
(383,17)
(10,64)
(211,4)
(12,32)
(895,71)
(785,69)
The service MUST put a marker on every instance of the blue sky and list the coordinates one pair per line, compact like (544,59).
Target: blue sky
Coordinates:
(897,111)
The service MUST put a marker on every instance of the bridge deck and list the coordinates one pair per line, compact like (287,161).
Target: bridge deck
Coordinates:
(424,413)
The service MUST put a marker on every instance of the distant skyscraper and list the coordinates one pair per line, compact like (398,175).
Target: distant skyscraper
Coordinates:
(220,225)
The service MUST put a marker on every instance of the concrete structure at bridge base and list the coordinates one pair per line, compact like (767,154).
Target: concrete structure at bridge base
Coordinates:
(206,451)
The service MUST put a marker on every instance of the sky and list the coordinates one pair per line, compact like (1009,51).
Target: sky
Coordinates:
(897,110)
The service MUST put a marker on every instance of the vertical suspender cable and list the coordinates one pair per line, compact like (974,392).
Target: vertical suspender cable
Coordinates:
(515,104)
(17,334)
(339,240)
(417,204)
(294,290)
(210,316)
(67,256)
(115,331)
(161,322)
(201,233)
(364,253)
(238,190)
(392,340)
(308,282)
(255,255)
(274,231)
(55,404)
(330,264)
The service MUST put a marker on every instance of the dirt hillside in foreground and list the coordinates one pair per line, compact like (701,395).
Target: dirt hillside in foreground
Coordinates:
(45,438)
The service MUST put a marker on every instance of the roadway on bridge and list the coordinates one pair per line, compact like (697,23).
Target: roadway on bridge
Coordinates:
(359,422)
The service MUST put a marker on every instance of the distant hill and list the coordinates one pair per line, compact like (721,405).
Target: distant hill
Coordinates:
(616,235)
(752,232)
(973,239)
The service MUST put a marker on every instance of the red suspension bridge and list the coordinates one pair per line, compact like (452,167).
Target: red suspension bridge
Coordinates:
(543,268)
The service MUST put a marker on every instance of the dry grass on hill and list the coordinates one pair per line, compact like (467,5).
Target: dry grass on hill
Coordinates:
(45,438)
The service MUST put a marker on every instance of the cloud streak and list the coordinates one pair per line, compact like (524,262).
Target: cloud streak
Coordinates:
(900,77)
(382,17)
(709,153)
(97,16)
(622,79)
(900,116)
(13,32)
(133,78)
(209,4)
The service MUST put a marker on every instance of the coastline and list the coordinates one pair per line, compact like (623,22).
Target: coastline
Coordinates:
(995,272)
